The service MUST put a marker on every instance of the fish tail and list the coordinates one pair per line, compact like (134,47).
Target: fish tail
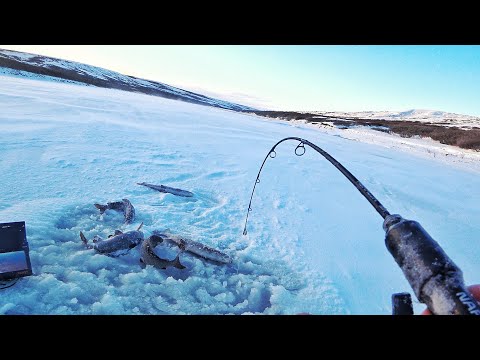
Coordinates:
(177,264)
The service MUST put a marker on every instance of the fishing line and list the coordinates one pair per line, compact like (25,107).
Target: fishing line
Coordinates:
(300,151)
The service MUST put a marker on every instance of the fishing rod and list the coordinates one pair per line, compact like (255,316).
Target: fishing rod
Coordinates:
(433,276)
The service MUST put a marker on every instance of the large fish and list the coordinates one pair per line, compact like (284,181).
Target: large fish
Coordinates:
(167,189)
(148,256)
(195,247)
(115,245)
(125,206)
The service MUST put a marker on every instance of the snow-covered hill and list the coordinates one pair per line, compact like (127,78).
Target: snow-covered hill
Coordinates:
(314,244)
(47,68)
(427,116)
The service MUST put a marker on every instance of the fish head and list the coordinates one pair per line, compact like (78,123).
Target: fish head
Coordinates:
(134,236)
(138,235)
(97,239)
(155,240)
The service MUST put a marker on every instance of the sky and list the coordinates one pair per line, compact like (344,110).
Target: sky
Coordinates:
(298,77)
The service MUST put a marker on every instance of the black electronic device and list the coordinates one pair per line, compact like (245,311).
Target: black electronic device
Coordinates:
(14,251)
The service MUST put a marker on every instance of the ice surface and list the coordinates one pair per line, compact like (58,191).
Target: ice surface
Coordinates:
(314,244)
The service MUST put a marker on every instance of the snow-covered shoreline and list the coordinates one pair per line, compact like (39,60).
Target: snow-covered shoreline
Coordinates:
(466,159)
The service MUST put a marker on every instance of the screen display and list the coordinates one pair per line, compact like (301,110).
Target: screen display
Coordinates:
(14,261)
(14,252)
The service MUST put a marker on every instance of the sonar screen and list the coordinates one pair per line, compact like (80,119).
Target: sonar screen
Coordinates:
(14,251)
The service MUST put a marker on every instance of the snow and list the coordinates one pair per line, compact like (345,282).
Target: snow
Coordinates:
(313,244)
(427,148)
(25,74)
(102,74)
(18,55)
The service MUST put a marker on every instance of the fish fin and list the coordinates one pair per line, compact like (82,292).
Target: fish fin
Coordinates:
(142,183)
(177,264)
(182,244)
(140,226)
(142,263)
(84,239)
(102,208)
(118,232)
(115,205)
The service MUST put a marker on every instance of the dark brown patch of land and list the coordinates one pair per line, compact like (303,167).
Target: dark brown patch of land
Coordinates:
(467,139)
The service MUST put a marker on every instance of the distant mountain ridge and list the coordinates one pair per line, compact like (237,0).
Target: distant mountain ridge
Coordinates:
(20,63)
(462,131)
(420,115)
(48,68)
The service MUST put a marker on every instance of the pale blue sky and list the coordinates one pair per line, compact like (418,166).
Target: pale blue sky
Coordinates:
(329,78)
